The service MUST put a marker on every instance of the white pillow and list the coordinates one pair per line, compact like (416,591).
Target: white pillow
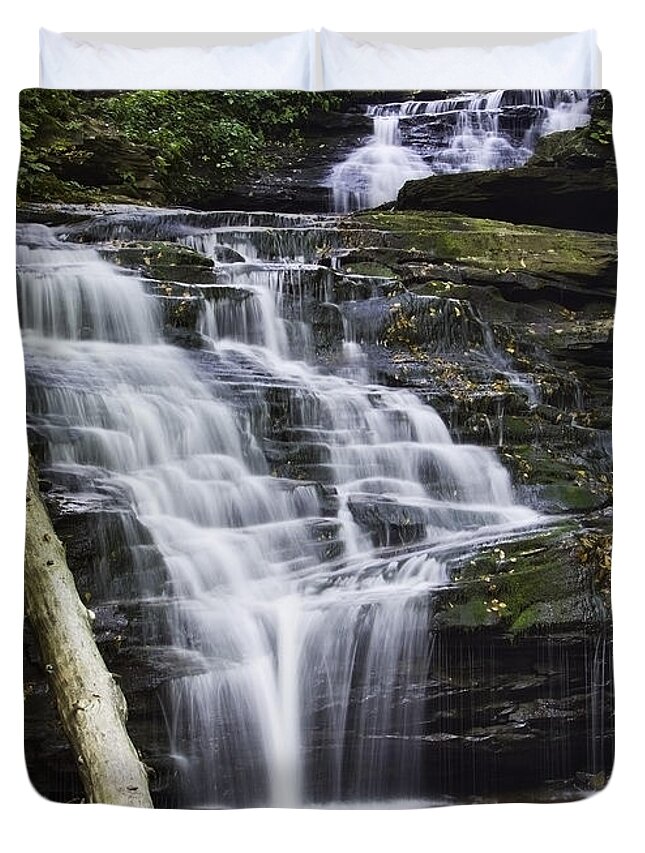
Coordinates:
(566,62)
(286,62)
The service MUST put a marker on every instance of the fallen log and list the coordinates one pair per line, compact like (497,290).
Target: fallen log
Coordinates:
(91,706)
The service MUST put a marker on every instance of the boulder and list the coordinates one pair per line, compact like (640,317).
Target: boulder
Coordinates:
(162,260)
(387,521)
(558,197)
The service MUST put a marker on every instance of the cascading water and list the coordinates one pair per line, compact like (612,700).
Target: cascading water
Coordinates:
(297,605)
(466,133)
(374,173)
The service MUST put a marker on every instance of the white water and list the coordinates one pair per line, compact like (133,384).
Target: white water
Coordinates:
(307,666)
(374,173)
(470,132)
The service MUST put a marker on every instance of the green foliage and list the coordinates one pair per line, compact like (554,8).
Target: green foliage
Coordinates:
(600,126)
(49,121)
(195,143)
(601,131)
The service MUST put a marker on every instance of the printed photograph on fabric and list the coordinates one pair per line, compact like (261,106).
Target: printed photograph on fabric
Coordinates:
(319,417)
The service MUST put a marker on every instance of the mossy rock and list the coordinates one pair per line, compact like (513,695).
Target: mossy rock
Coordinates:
(552,614)
(580,148)
(435,287)
(521,428)
(557,196)
(583,147)
(569,497)
(534,464)
(530,584)
(470,614)
(163,261)
(498,246)
(559,478)
(371,269)
(181,313)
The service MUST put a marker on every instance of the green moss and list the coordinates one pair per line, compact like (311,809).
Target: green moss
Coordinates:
(162,254)
(570,147)
(370,268)
(569,496)
(520,427)
(535,579)
(564,482)
(528,619)
(522,585)
(163,261)
(472,613)
(494,245)
(565,611)
(440,288)
(533,463)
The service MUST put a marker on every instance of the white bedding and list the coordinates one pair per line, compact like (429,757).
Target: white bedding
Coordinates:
(294,61)
(566,62)
(285,62)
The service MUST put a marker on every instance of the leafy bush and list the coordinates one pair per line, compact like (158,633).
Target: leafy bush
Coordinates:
(196,143)
(49,120)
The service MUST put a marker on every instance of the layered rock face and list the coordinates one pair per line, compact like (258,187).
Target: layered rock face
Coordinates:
(472,287)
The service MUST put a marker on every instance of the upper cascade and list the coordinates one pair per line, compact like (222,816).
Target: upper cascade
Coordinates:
(468,132)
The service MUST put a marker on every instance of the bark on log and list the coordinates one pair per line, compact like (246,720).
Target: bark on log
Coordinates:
(91,706)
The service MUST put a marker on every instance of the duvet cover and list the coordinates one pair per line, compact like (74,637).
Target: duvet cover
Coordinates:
(319,407)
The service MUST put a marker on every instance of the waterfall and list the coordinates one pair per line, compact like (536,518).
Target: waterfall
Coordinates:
(296,522)
(468,132)
(374,173)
